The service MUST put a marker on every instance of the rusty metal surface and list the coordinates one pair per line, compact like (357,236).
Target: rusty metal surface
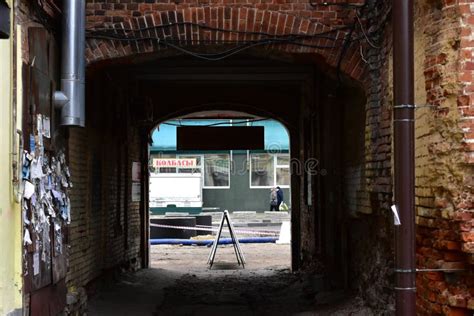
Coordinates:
(59,262)
(38,44)
(49,301)
(47,288)
(40,102)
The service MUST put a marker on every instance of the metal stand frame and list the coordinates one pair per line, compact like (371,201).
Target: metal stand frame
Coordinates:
(235,242)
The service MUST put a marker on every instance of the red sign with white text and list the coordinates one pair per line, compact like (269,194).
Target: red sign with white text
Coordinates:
(174,163)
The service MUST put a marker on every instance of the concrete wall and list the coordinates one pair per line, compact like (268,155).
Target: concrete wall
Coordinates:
(10,211)
(240,197)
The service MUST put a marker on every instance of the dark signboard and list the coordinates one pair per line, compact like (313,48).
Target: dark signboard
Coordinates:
(220,138)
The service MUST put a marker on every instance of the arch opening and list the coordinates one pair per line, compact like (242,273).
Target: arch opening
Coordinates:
(325,122)
(242,181)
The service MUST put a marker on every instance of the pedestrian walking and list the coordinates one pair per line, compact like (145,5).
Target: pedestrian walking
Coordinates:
(273,199)
(279,192)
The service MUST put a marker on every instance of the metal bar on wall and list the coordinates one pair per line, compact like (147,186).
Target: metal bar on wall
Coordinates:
(404,181)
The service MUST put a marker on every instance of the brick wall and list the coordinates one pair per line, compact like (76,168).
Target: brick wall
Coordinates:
(173,22)
(444,169)
(105,228)
(368,173)
(371,197)
(444,136)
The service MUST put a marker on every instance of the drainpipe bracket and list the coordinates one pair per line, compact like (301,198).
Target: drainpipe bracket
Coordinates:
(404,120)
(404,106)
(405,270)
(405,289)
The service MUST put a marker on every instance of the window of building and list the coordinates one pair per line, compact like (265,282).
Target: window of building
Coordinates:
(282,170)
(269,170)
(262,170)
(216,171)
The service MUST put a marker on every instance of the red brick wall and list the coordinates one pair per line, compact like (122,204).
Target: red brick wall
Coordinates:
(444,135)
(271,17)
(444,175)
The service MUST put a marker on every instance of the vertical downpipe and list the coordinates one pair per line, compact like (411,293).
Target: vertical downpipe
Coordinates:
(404,156)
(71,98)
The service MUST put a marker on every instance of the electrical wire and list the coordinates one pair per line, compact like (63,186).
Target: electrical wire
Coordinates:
(267,39)
(340,4)
(362,53)
(167,41)
(205,57)
(345,47)
(363,32)
(218,29)
(218,123)
(347,42)
(212,56)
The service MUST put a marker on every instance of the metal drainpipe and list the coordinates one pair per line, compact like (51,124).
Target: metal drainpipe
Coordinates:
(403,121)
(71,98)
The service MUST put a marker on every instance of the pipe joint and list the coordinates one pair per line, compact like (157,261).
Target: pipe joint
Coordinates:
(60,99)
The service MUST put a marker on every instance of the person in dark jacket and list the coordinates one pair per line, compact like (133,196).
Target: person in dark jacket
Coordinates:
(279,197)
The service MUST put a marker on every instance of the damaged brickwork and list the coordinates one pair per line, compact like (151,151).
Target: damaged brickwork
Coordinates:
(444,173)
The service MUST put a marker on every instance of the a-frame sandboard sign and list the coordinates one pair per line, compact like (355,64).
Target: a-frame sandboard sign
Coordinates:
(235,242)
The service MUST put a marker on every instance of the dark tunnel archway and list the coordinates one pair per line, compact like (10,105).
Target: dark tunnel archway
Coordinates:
(325,120)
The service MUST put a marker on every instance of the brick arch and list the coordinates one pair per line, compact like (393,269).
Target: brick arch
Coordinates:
(234,19)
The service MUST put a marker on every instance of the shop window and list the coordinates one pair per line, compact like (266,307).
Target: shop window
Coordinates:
(268,170)
(282,176)
(262,170)
(4,20)
(282,170)
(216,171)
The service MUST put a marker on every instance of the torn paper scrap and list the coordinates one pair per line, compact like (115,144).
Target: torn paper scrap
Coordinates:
(29,190)
(27,238)
(36,263)
(396,218)
(37,168)
(46,127)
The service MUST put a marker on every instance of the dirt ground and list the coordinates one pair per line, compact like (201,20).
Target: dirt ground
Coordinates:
(180,283)
(194,258)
